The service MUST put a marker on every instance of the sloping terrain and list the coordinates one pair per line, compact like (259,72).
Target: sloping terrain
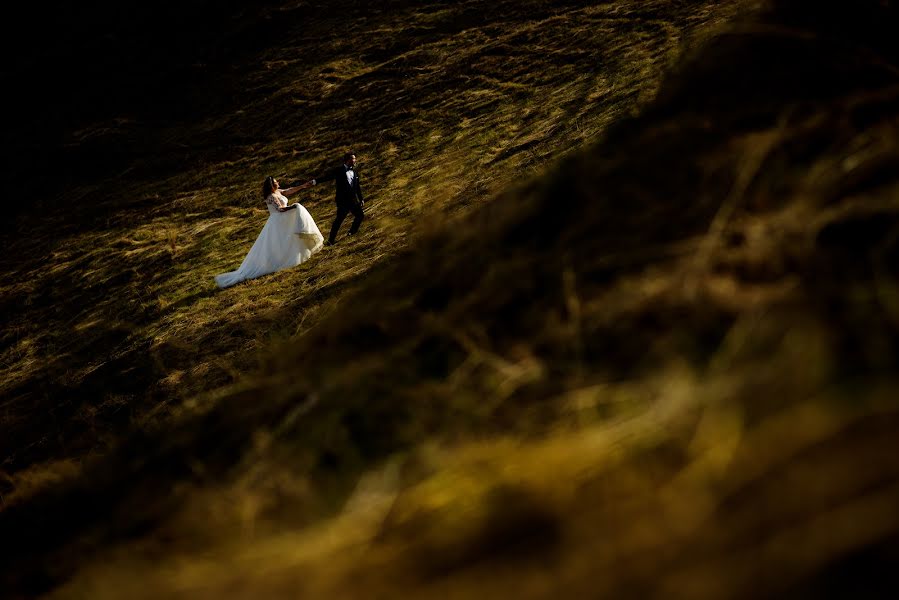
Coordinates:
(114,317)
(664,368)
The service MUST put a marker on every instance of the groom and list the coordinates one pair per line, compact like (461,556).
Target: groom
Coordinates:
(348,194)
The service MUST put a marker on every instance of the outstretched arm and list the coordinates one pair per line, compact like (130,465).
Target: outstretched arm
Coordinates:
(297,188)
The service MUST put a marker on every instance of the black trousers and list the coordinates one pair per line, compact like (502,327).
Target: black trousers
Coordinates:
(342,211)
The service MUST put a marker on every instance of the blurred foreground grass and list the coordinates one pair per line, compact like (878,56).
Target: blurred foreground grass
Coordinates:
(665,368)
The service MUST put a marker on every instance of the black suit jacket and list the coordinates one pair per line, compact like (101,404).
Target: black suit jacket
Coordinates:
(344,194)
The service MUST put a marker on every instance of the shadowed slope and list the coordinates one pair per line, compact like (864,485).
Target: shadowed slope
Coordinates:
(666,370)
(114,316)
(710,293)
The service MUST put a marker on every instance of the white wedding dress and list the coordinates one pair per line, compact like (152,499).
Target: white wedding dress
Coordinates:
(288,239)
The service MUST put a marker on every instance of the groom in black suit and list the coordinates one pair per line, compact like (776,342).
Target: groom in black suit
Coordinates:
(348,194)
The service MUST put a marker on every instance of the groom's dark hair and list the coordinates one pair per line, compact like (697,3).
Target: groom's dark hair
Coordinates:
(347,156)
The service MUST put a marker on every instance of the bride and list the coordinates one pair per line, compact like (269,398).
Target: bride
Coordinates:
(289,237)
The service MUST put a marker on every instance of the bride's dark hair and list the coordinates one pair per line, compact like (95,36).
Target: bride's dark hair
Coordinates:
(268,186)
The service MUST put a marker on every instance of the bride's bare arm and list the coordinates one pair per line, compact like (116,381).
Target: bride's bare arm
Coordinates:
(297,188)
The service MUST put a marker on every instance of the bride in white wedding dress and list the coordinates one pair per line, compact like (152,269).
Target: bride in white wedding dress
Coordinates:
(290,237)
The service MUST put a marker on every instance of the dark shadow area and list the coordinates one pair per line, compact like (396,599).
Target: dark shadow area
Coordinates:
(748,192)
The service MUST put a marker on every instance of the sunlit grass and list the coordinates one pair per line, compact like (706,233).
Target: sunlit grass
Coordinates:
(659,365)
(440,125)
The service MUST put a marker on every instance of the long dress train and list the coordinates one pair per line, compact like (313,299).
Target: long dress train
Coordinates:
(287,239)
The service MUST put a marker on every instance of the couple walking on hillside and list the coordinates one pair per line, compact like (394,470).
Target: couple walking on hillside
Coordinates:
(290,236)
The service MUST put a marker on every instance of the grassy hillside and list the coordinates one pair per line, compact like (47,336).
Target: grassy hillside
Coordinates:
(663,367)
(114,316)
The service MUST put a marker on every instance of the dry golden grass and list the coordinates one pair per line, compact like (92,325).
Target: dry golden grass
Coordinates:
(664,367)
(121,322)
